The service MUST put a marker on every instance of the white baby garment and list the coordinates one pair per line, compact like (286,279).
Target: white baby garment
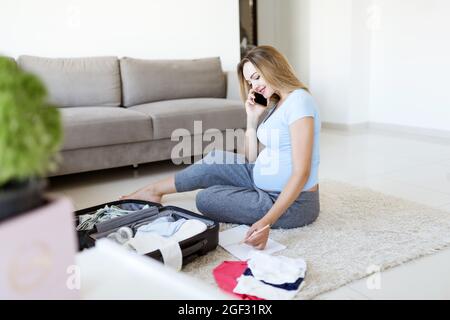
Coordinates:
(276,269)
(250,286)
(146,242)
(189,229)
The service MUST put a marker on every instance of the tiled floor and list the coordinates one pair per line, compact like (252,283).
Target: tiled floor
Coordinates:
(413,168)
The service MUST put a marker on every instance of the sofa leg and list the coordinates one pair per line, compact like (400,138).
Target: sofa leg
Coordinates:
(135,166)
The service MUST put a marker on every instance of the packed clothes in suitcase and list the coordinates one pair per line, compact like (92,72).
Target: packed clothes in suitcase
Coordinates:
(169,234)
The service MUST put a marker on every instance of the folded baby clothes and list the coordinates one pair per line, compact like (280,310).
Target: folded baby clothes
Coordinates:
(189,229)
(271,277)
(226,275)
(179,230)
(164,226)
(251,286)
(149,238)
(276,269)
(285,286)
(152,237)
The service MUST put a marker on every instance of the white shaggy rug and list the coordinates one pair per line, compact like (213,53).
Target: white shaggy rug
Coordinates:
(357,228)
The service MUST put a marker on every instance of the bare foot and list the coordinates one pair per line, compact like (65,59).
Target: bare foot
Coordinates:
(146,194)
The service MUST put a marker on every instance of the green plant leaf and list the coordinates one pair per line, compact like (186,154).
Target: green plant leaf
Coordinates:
(30,129)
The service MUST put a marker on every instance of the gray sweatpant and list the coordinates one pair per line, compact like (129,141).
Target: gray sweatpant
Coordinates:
(231,196)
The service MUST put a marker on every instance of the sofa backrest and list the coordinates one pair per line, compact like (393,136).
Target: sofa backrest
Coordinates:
(78,82)
(145,81)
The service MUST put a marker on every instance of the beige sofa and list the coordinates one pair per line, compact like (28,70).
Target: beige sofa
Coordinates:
(119,112)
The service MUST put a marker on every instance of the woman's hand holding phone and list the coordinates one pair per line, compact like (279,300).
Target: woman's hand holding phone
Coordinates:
(252,108)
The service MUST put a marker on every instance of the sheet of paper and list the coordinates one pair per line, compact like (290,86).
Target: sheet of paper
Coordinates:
(230,240)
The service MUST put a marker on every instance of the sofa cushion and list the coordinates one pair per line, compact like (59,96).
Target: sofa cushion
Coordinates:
(100,126)
(145,81)
(173,114)
(77,82)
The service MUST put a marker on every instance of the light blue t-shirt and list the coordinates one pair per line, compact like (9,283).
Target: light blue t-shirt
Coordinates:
(273,167)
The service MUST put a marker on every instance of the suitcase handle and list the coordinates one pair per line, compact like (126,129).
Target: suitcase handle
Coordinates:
(194,248)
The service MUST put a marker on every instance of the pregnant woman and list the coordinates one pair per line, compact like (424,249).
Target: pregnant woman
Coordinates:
(277,188)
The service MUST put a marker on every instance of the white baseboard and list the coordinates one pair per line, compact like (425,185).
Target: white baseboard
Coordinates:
(385,128)
(356,127)
(434,133)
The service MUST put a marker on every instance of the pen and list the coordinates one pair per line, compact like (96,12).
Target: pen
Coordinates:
(256,232)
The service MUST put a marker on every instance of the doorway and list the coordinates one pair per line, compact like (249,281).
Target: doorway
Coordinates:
(248,25)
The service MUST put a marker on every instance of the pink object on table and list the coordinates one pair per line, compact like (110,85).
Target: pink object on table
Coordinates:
(37,251)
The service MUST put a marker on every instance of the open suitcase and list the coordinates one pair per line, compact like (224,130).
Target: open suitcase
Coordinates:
(191,248)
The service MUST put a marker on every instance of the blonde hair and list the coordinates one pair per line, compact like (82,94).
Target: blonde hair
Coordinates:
(273,66)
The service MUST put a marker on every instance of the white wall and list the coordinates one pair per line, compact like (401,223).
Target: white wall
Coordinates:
(317,38)
(157,29)
(330,49)
(286,27)
(267,19)
(339,59)
(384,61)
(360,62)
(411,64)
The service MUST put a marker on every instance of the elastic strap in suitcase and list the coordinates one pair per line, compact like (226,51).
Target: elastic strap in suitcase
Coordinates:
(170,249)
(129,218)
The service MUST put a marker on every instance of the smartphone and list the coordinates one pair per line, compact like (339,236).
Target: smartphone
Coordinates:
(259,99)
